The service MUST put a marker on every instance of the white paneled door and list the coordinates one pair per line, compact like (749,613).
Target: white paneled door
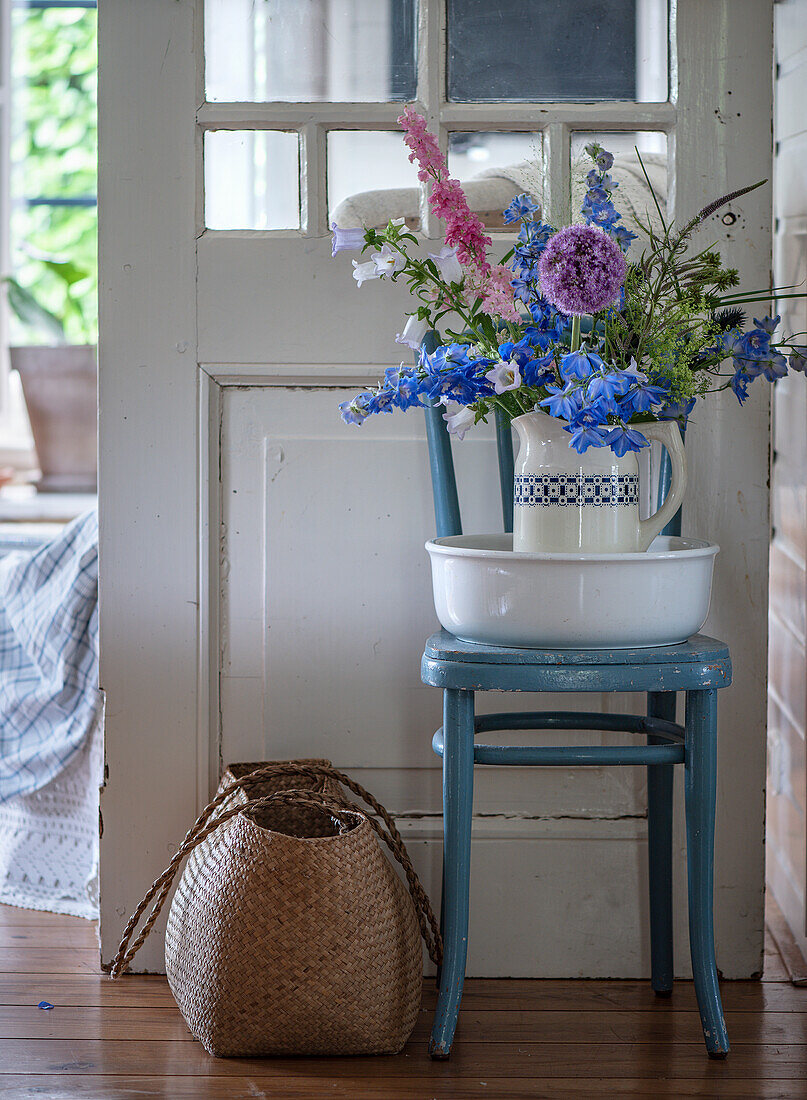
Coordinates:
(265,593)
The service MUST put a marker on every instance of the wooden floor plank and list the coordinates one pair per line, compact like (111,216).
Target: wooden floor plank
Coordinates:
(141,990)
(10,914)
(675,1061)
(165,1024)
(298,1086)
(39,935)
(49,960)
(492,994)
(119,1024)
(505,995)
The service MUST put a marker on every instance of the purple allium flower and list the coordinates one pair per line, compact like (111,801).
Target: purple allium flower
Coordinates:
(581,270)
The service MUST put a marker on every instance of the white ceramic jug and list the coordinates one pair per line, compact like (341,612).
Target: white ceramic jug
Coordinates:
(565,502)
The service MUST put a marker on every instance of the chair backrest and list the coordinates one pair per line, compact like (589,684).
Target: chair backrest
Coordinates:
(444,482)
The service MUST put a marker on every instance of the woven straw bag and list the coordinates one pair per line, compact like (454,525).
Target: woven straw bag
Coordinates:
(290,932)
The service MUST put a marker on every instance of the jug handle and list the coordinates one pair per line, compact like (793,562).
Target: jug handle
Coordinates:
(667,433)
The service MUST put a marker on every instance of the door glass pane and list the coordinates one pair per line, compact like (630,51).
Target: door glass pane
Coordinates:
(522,50)
(370,179)
(252,179)
(306,50)
(494,168)
(633,197)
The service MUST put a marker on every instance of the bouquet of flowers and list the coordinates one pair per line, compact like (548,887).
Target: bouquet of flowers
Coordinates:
(566,324)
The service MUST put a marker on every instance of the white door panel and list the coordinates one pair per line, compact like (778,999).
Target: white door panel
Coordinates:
(302,304)
(326,602)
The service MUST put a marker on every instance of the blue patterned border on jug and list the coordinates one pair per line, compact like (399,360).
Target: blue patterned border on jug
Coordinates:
(576,489)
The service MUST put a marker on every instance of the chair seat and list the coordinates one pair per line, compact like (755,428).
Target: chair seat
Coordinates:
(698,663)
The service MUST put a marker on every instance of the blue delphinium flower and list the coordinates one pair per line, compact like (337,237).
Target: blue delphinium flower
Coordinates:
(601,157)
(676,410)
(755,342)
(538,372)
(404,385)
(752,345)
(534,236)
(588,427)
(797,360)
(521,352)
(739,384)
(602,214)
(547,319)
(521,207)
(450,373)
(622,439)
(563,401)
(532,240)
(443,360)
(774,365)
(580,364)
(525,286)
(355,411)
(768,324)
(728,342)
(610,385)
(623,237)
(752,355)
(642,397)
(537,338)
(381,401)
(598,208)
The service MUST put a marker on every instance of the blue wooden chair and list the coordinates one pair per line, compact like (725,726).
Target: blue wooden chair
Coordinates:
(699,667)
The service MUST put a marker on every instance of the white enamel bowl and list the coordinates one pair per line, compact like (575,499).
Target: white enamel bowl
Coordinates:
(483,592)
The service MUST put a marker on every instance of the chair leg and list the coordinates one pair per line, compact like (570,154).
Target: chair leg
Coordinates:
(458,789)
(701,786)
(442,919)
(660,704)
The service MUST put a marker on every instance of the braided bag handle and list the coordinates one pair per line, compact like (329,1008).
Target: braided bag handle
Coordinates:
(204,826)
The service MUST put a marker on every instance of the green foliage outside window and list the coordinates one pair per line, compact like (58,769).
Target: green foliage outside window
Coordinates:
(54,155)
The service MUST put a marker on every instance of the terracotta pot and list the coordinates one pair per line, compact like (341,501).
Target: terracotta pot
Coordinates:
(60,388)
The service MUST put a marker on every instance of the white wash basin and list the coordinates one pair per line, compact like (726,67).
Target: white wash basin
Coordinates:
(483,592)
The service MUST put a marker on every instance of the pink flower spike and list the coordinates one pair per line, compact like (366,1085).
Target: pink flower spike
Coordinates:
(464,230)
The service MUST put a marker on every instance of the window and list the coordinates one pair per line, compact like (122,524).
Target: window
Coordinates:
(493,81)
